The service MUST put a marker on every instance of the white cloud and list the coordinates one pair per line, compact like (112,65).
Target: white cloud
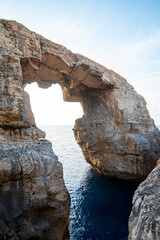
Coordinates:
(153,62)
(147,77)
(73,26)
(146,43)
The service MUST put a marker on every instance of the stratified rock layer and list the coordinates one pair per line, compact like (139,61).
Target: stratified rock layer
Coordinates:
(116,134)
(144,221)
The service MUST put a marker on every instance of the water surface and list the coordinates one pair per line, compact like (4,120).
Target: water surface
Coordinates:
(100,206)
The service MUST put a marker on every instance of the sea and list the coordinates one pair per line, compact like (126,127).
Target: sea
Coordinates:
(100,206)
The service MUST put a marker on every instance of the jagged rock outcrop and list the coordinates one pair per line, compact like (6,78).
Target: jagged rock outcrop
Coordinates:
(116,134)
(144,221)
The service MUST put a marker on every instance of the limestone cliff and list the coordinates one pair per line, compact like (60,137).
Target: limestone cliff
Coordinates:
(116,134)
(34,202)
(144,221)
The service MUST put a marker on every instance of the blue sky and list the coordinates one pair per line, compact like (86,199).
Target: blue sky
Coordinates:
(123,35)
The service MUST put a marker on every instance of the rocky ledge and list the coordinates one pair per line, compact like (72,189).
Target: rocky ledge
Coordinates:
(144,221)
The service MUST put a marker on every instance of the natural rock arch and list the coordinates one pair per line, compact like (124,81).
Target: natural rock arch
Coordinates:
(116,134)
(113,132)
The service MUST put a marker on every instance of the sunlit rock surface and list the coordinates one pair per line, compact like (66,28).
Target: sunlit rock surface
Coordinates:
(116,134)
(144,221)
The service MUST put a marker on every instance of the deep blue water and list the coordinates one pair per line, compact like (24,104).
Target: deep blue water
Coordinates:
(100,206)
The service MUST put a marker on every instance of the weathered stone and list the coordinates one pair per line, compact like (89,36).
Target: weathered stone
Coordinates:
(144,221)
(34,203)
(116,134)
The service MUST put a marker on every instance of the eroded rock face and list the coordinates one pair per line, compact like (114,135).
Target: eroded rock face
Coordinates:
(144,221)
(116,134)
(34,203)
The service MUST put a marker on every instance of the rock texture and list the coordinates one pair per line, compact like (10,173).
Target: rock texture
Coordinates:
(116,134)
(144,221)
(34,202)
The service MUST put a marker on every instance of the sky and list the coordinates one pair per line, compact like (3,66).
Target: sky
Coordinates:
(122,35)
